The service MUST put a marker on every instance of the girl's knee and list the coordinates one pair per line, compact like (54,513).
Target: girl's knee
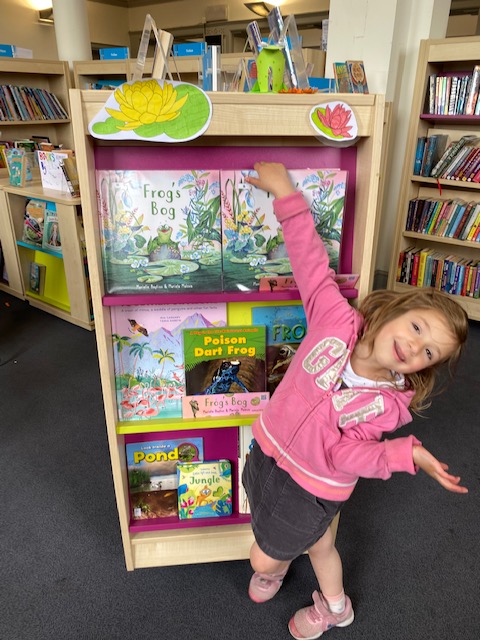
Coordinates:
(325,544)
(263,563)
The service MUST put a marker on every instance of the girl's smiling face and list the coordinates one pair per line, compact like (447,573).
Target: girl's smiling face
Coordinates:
(414,341)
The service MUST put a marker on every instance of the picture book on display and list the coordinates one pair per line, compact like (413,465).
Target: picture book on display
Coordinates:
(33,222)
(204,489)
(245,444)
(252,238)
(225,371)
(51,172)
(152,474)
(148,355)
(51,231)
(37,278)
(286,327)
(160,231)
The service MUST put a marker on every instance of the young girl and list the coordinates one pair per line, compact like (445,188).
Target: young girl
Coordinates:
(351,382)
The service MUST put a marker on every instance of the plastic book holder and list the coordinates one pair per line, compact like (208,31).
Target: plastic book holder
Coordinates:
(164,41)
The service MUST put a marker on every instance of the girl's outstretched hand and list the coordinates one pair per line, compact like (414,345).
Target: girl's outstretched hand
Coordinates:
(436,469)
(273,177)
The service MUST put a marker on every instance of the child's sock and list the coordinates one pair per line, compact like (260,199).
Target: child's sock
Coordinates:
(336,603)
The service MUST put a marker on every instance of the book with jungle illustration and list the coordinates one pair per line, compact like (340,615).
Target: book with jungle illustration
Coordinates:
(152,474)
(225,371)
(204,489)
(148,355)
(160,231)
(253,246)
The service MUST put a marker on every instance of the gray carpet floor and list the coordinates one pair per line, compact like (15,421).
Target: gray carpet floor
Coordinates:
(410,549)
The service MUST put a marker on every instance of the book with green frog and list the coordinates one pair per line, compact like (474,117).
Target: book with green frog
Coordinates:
(160,230)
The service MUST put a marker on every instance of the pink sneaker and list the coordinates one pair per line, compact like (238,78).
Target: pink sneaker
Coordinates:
(263,586)
(309,623)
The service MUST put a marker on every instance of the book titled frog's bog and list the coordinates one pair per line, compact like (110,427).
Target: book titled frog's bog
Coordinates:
(160,231)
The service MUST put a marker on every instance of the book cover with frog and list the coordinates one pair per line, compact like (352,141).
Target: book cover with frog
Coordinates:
(253,246)
(204,489)
(160,231)
(225,371)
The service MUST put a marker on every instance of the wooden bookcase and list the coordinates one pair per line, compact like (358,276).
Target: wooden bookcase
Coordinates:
(258,123)
(67,291)
(91,71)
(52,75)
(437,57)
(67,274)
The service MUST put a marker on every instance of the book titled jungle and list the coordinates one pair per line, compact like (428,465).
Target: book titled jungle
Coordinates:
(253,246)
(160,230)
(286,326)
(148,355)
(204,489)
(225,371)
(152,474)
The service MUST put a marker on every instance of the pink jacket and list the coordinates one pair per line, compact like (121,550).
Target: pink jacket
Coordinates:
(327,439)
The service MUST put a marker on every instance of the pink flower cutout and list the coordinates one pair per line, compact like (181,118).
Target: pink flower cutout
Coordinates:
(336,120)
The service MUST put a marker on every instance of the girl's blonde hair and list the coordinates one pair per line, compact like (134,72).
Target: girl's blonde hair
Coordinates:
(382,306)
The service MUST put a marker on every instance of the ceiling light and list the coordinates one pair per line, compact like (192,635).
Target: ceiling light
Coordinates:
(259,8)
(46,16)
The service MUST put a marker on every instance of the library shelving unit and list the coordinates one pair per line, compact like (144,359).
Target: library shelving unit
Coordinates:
(439,57)
(86,72)
(66,284)
(52,75)
(67,292)
(244,128)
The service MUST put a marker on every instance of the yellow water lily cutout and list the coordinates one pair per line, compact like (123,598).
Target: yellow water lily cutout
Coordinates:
(146,102)
(156,110)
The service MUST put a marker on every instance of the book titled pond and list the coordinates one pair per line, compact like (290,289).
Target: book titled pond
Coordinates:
(225,371)
(152,474)
(148,355)
(252,239)
(160,230)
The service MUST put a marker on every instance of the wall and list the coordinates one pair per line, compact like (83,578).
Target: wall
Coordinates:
(184,13)
(108,25)
(19,25)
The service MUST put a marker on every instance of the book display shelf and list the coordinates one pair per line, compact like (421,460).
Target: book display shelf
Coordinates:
(244,128)
(447,57)
(66,292)
(89,72)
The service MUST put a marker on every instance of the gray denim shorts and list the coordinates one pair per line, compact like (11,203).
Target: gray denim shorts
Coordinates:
(286,519)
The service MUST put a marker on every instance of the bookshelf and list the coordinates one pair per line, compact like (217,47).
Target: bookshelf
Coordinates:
(243,126)
(452,56)
(67,292)
(91,71)
(52,75)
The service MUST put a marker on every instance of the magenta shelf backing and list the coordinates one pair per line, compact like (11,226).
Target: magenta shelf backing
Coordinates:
(217,443)
(223,157)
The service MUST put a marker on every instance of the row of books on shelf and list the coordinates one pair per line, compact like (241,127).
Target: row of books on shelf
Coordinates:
(447,218)
(449,273)
(183,360)
(459,160)
(205,230)
(57,169)
(454,93)
(174,477)
(29,103)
